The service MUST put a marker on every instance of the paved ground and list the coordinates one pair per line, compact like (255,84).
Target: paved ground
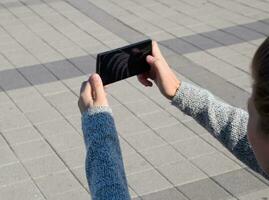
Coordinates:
(48,47)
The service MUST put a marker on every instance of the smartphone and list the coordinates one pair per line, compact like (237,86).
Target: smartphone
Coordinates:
(124,62)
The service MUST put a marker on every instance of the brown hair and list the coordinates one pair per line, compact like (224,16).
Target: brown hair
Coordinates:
(260,72)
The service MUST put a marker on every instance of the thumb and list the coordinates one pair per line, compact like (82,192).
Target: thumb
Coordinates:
(97,88)
(153,62)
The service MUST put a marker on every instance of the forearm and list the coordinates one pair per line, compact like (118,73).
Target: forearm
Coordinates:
(104,166)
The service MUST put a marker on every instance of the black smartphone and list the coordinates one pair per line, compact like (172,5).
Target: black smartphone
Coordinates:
(123,62)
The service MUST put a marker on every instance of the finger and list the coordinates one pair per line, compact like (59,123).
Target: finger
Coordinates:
(156,52)
(153,61)
(83,85)
(86,95)
(142,78)
(97,87)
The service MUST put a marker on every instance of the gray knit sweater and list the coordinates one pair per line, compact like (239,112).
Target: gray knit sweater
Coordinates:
(104,166)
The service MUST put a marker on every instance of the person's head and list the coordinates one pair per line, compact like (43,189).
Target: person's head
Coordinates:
(258,106)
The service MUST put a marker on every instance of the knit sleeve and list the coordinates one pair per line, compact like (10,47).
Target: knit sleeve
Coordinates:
(227,123)
(104,166)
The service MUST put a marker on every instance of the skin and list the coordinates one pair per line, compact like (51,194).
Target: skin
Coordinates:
(93,94)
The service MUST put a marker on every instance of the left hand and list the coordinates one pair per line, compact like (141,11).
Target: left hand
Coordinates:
(92,93)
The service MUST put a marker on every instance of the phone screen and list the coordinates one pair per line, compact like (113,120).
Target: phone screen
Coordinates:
(123,62)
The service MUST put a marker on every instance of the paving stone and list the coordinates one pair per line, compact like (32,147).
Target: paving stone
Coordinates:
(7,156)
(11,122)
(196,127)
(44,166)
(66,141)
(23,191)
(145,140)
(201,41)
(215,164)
(59,126)
(204,190)
(143,107)
(222,37)
(194,147)
(159,119)
(22,135)
(162,155)
(244,33)
(259,195)
(131,126)
(86,64)
(74,194)
(180,46)
(43,115)
(37,74)
(147,182)
(62,98)
(174,133)
(17,80)
(135,163)
(75,157)
(168,194)
(240,182)
(80,174)
(51,88)
(126,149)
(57,183)
(3,142)
(63,69)
(10,174)
(182,172)
(259,27)
(33,149)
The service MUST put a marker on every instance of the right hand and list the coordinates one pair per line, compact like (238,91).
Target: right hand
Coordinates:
(160,73)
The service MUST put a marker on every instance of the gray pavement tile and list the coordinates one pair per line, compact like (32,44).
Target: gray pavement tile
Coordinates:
(62,98)
(145,140)
(11,122)
(24,191)
(80,174)
(175,133)
(66,141)
(57,183)
(194,147)
(37,74)
(223,37)
(11,174)
(162,155)
(205,189)
(168,194)
(11,79)
(240,182)
(215,164)
(179,46)
(3,142)
(7,156)
(43,115)
(196,127)
(51,88)
(201,41)
(32,104)
(59,126)
(44,166)
(244,33)
(33,149)
(182,172)
(259,195)
(134,163)
(143,107)
(159,119)
(80,194)
(131,126)
(259,27)
(74,158)
(86,64)
(126,149)
(63,69)
(147,182)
